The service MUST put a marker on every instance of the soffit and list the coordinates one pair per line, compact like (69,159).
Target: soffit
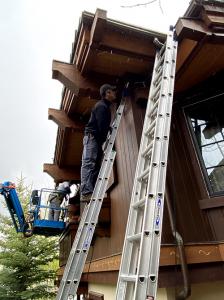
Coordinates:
(112,47)
(201,44)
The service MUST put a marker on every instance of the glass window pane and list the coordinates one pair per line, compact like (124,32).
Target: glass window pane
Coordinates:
(216,178)
(213,154)
(207,133)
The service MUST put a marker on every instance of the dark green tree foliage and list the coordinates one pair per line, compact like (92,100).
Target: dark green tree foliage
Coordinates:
(25,271)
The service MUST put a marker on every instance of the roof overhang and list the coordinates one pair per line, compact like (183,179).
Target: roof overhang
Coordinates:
(104,50)
(200,34)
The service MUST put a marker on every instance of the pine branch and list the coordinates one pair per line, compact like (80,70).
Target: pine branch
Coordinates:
(28,266)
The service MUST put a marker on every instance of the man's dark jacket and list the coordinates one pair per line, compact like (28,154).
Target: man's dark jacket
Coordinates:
(99,122)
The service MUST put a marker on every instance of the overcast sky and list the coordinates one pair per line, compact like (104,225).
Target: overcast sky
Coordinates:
(33,33)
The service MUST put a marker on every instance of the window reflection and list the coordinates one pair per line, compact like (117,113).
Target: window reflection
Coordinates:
(208,125)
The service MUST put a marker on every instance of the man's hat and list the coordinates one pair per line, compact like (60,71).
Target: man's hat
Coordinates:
(106,87)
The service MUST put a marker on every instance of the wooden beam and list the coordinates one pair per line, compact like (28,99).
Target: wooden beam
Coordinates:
(211,202)
(196,254)
(98,26)
(168,276)
(69,75)
(96,33)
(61,174)
(82,47)
(215,9)
(63,121)
(213,16)
(202,260)
(111,263)
(196,49)
(126,53)
(125,44)
(213,21)
(191,29)
(184,50)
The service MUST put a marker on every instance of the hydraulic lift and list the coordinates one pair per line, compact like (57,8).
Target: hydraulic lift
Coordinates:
(36,221)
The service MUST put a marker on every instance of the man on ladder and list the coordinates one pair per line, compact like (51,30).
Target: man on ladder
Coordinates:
(95,135)
(79,251)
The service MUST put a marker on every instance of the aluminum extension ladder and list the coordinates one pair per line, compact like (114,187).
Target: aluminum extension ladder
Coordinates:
(138,276)
(80,248)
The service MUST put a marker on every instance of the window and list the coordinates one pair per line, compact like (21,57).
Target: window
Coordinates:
(207,123)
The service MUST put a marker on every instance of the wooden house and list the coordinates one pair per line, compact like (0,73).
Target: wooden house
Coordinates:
(108,51)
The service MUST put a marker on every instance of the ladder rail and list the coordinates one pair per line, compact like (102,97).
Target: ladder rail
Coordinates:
(158,213)
(107,158)
(83,244)
(79,252)
(140,257)
(152,248)
(71,257)
(132,218)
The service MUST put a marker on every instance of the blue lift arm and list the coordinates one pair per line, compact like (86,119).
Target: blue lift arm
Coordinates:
(7,189)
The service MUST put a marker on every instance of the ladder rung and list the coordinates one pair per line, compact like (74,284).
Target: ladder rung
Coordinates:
(134,238)
(143,175)
(139,203)
(128,278)
(151,127)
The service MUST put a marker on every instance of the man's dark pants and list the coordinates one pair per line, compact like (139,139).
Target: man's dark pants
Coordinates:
(91,161)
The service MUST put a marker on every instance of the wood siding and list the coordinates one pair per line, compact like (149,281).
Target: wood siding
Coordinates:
(185,183)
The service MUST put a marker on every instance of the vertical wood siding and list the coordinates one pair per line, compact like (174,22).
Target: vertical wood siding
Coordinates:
(185,183)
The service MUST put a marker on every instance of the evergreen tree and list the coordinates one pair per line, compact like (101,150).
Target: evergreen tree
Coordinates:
(26,263)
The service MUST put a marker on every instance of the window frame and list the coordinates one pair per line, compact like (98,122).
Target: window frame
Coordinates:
(186,110)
